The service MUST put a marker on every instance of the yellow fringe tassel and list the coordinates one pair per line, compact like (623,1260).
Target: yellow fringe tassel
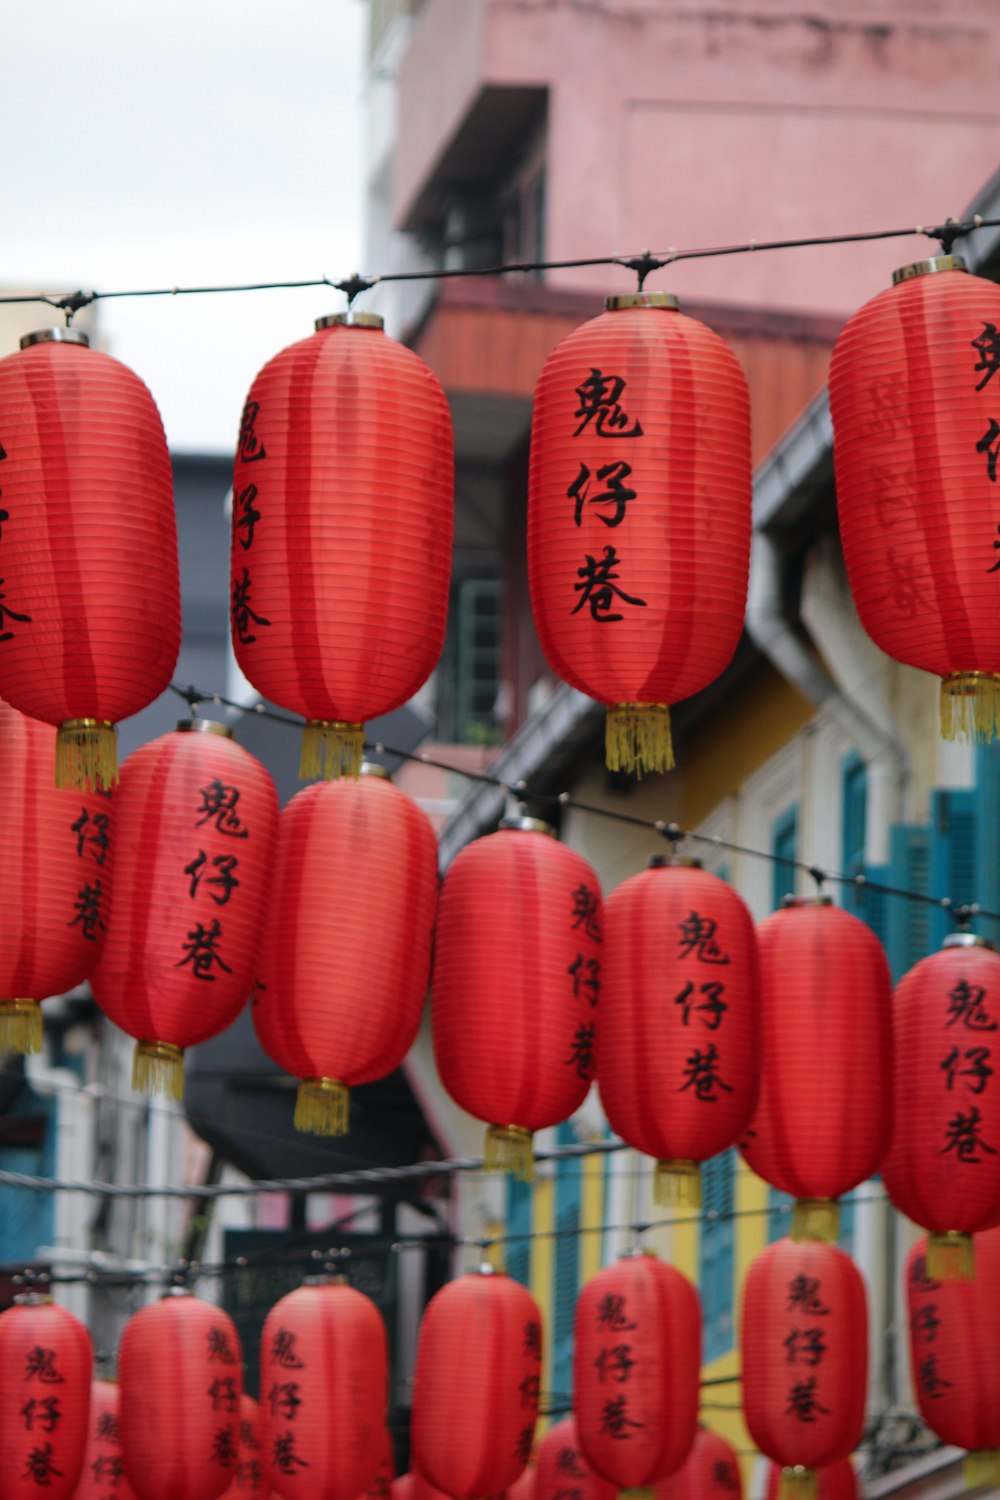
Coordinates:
(158,1068)
(798,1483)
(816,1219)
(20,1026)
(951,1257)
(331,748)
(637,738)
(970,706)
(981,1469)
(508,1149)
(322,1107)
(641,1493)
(677,1184)
(86,754)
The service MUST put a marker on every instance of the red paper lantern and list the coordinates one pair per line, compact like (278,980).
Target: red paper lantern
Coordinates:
(913,399)
(678,1054)
(380,1485)
(324,1388)
(342,528)
(804,1351)
(712,1472)
(103,1472)
(45,1377)
(57,853)
(413,1486)
(943,1170)
(523,1487)
(824,1115)
(636,1366)
(563,1472)
(516,980)
(180,1367)
(639,515)
(90,623)
(833,1482)
(479,1353)
(249,1482)
(195,820)
(347,946)
(955,1356)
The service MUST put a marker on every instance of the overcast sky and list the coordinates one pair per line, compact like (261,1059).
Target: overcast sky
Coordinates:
(193,143)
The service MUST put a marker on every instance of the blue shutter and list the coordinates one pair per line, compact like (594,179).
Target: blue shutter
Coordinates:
(853,814)
(908,923)
(845,1238)
(988,822)
(28,1219)
(953,856)
(784,844)
(567,1264)
(779,1214)
(518,1257)
(715,1252)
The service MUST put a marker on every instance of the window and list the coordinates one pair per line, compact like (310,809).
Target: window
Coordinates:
(784,846)
(715,1252)
(519,1222)
(567,1264)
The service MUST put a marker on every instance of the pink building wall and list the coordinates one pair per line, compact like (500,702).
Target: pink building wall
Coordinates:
(678,123)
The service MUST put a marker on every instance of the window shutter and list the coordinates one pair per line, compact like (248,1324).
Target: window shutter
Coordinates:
(908,923)
(567,1264)
(715,1252)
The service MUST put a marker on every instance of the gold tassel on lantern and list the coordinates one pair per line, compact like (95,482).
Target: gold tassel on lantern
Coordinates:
(508,1149)
(321,1107)
(816,1219)
(86,754)
(950,1257)
(798,1483)
(640,1493)
(158,1068)
(970,706)
(637,738)
(677,1184)
(331,748)
(20,1026)
(981,1469)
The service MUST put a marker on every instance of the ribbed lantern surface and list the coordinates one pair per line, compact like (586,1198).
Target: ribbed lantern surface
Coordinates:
(837,1481)
(347,944)
(342,528)
(516,981)
(562,1472)
(45,1377)
(824,1114)
(678,1050)
(636,1362)
(179,1367)
(711,1472)
(479,1353)
(413,1486)
(955,1355)
(523,1487)
(913,395)
(103,1473)
(324,1377)
(57,853)
(943,1169)
(379,1487)
(639,515)
(804,1352)
(195,822)
(90,620)
(249,1482)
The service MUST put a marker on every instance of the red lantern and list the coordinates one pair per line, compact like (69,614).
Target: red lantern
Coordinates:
(90,623)
(342,528)
(413,1486)
(636,1365)
(479,1353)
(347,946)
(249,1482)
(804,1349)
(45,1377)
(943,1170)
(516,979)
(380,1485)
(179,1365)
(677,1062)
(103,1472)
(824,1115)
(195,822)
(955,1356)
(834,1481)
(712,1472)
(915,457)
(57,852)
(324,1388)
(523,1487)
(563,1467)
(639,515)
